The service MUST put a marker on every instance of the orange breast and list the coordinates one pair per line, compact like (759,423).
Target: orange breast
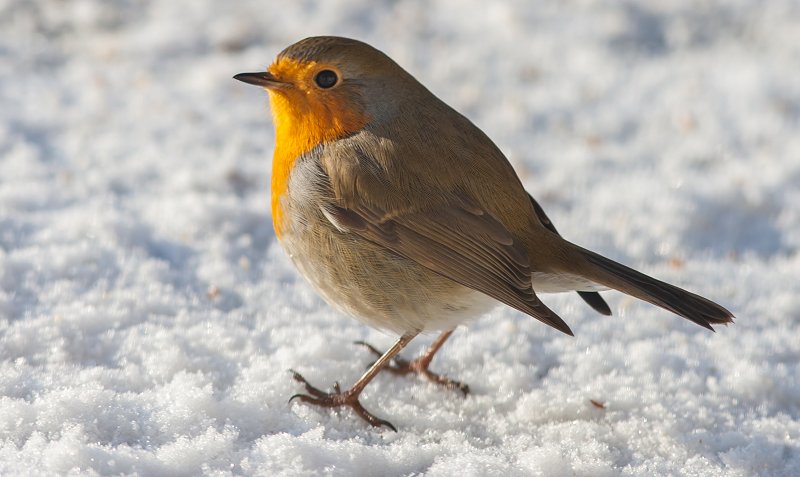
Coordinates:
(305,118)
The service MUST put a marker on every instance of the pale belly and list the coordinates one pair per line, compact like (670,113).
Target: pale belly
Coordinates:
(382,289)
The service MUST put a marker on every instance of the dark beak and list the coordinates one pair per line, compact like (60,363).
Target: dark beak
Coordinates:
(264,79)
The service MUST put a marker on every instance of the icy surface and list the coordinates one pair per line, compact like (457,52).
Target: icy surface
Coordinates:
(148,316)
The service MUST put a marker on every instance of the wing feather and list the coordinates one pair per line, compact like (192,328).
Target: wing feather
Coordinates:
(461,242)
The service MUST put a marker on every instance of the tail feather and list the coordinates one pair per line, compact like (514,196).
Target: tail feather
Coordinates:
(693,307)
(597,302)
(592,299)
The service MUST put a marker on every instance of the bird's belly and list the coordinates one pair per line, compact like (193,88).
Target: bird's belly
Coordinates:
(382,289)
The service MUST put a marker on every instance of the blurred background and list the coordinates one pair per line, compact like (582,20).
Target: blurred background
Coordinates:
(147,315)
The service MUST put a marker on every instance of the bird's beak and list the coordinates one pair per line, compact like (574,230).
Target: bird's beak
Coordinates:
(264,79)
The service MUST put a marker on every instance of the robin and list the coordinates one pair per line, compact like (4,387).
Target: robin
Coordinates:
(403,213)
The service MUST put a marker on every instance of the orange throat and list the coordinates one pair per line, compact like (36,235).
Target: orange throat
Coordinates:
(303,121)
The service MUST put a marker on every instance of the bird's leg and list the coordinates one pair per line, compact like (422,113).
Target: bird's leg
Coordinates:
(420,365)
(350,397)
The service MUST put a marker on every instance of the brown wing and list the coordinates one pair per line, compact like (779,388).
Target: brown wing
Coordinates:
(592,299)
(460,242)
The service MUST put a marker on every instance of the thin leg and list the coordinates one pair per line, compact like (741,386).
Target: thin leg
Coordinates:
(421,364)
(350,397)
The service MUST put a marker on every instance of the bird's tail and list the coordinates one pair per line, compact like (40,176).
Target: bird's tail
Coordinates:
(614,275)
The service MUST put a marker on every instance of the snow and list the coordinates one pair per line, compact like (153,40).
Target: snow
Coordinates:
(148,316)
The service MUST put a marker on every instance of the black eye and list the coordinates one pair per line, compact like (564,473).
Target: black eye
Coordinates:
(326,79)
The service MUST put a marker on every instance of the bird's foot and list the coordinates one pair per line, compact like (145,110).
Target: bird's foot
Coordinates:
(337,398)
(420,366)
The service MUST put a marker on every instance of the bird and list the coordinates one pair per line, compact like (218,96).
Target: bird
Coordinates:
(401,212)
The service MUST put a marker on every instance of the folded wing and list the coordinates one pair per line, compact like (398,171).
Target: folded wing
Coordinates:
(459,241)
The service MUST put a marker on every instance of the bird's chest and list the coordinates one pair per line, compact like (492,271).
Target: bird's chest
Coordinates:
(321,253)
(297,206)
(332,261)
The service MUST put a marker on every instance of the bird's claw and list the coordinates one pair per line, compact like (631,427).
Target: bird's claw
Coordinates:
(309,388)
(336,399)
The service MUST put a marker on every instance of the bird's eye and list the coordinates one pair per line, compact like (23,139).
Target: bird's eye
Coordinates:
(326,79)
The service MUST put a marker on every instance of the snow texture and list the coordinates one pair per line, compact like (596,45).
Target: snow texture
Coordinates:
(148,316)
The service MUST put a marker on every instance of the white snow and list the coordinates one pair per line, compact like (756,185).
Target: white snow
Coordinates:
(148,317)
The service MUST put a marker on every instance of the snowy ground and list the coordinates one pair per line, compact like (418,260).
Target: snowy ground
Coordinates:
(148,316)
